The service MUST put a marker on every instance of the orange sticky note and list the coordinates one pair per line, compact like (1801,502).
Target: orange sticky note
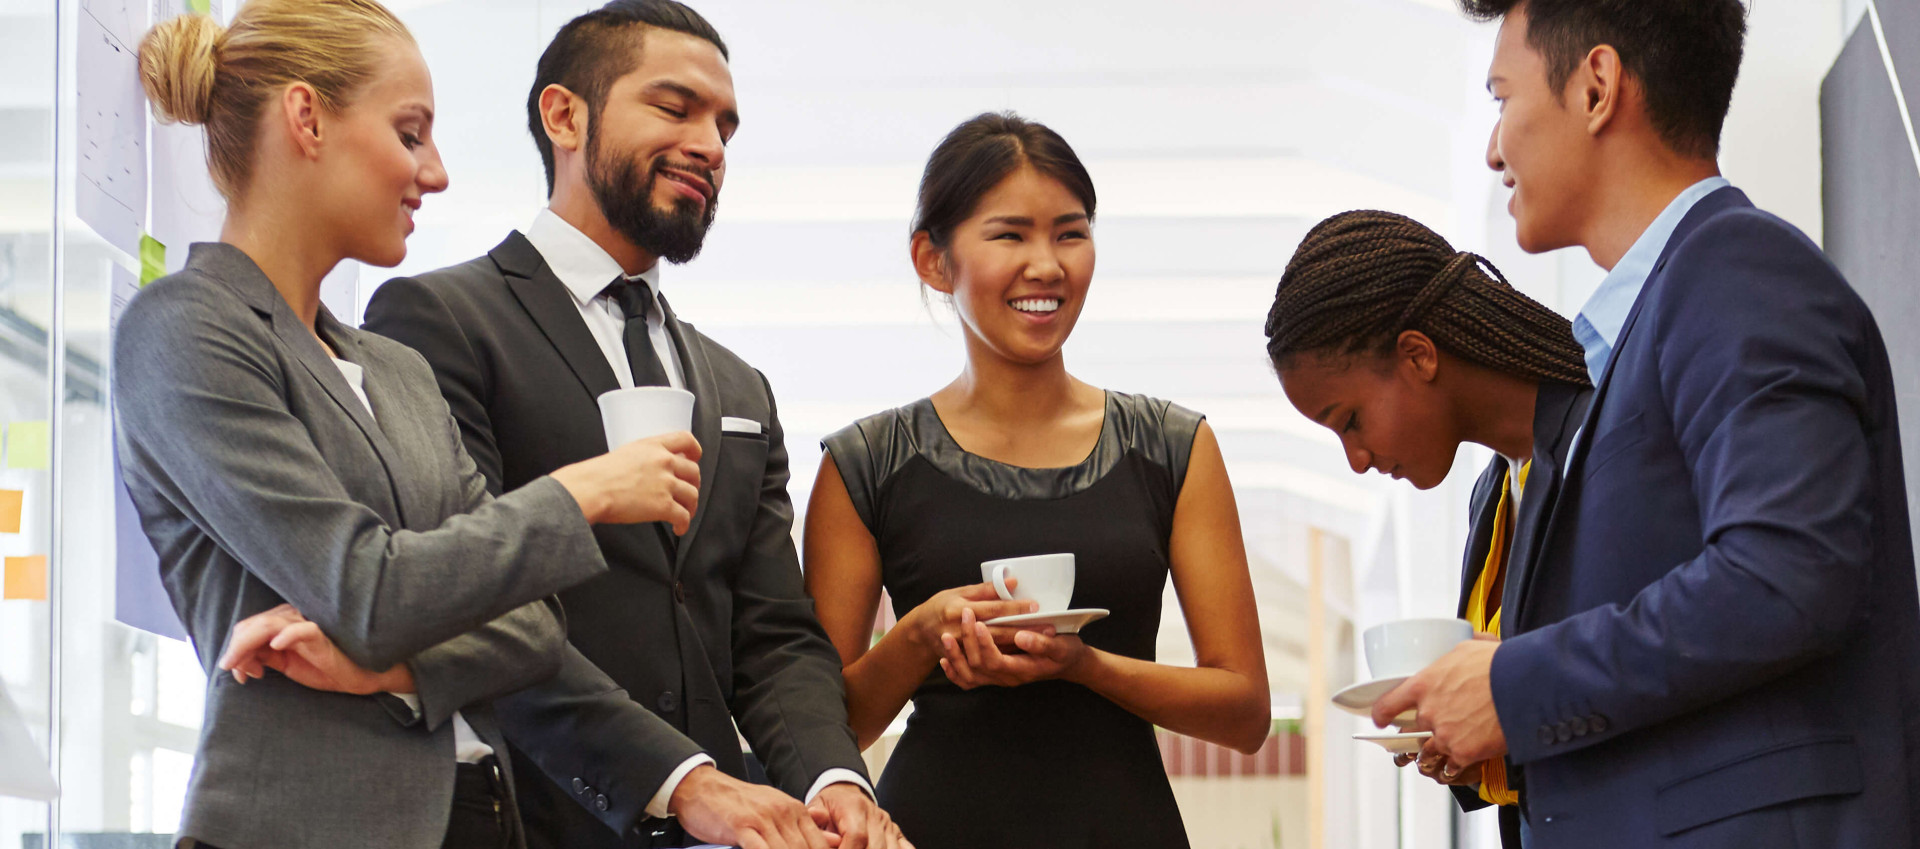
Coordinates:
(10,501)
(26,578)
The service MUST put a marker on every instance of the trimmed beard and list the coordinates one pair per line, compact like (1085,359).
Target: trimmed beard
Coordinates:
(626,199)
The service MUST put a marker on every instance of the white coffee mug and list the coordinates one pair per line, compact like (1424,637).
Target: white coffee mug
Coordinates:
(644,412)
(1402,648)
(1045,578)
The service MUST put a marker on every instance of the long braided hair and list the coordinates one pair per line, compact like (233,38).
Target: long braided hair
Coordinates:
(1361,278)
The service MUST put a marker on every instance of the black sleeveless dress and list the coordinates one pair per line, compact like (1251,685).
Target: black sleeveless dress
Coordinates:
(1050,764)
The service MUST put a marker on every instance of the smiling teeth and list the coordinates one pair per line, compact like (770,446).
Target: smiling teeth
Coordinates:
(1037,304)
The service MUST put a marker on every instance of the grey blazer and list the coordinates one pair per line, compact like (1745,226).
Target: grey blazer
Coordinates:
(261,479)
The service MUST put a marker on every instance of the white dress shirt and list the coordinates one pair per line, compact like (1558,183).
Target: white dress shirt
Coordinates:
(586,269)
(1598,325)
(468,748)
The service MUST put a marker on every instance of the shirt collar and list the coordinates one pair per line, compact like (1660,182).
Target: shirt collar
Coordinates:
(583,266)
(1606,311)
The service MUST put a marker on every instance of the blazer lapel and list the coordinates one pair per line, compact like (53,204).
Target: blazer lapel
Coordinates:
(1560,410)
(552,307)
(406,432)
(698,374)
(239,272)
(315,360)
(1708,206)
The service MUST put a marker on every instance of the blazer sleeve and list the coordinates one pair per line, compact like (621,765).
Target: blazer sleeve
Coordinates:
(1754,344)
(510,653)
(789,698)
(583,730)
(507,654)
(201,407)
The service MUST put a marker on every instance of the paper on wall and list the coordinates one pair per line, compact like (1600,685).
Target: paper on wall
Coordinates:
(139,598)
(111,123)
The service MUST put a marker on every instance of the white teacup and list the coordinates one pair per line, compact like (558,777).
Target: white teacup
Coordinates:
(1045,578)
(1402,648)
(644,412)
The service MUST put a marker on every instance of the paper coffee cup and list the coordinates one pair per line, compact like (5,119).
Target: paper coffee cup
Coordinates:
(644,412)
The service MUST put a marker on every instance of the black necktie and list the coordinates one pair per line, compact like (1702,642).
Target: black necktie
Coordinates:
(635,300)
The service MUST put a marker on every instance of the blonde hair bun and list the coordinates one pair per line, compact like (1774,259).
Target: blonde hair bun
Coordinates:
(178,60)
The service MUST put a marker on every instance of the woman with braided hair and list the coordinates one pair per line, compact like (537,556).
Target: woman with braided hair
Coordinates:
(1406,348)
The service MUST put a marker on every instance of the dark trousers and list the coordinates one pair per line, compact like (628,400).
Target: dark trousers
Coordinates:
(482,814)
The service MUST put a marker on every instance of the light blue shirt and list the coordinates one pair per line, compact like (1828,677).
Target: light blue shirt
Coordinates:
(1597,327)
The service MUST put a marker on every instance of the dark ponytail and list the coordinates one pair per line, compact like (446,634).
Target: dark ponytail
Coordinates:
(1360,279)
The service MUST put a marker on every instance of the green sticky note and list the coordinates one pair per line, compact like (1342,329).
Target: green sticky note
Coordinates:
(153,259)
(200,7)
(29,445)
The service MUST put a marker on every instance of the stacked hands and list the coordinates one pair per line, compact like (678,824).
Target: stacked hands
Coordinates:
(648,480)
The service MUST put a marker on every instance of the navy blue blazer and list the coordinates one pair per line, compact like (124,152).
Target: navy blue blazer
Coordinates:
(1716,646)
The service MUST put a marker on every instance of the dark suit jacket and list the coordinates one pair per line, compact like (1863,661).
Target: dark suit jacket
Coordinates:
(1716,646)
(261,478)
(715,631)
(1558,411)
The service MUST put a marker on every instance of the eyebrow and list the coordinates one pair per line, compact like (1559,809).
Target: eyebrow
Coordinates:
(1024,221)
(727,116)
(1322,418)
(424,110)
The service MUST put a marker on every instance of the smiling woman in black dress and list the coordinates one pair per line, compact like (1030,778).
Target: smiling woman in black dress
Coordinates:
(1023,737)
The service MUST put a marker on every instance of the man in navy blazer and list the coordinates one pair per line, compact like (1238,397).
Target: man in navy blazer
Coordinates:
(1716,645)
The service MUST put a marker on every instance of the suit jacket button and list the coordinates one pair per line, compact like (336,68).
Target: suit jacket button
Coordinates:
(668,702)
(1598,723)
(600,801)
(1563,732)
(579,787)
(1579,726)
(1546,735)
(680,592)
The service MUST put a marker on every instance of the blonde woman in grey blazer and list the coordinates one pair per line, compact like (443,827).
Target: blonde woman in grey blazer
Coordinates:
(282,461)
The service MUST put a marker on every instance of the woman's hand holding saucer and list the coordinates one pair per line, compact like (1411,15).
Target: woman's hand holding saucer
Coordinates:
(974,659)
(943,615)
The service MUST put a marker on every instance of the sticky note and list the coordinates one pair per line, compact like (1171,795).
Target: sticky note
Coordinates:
(26,578)
(153,258)
(10,501)
(29,445)
(200,7)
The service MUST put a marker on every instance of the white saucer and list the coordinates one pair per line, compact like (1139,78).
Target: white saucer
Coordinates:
(1397,742)
(1063,621)
(1359,698)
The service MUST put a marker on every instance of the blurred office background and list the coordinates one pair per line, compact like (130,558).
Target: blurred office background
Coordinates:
(1217,133)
